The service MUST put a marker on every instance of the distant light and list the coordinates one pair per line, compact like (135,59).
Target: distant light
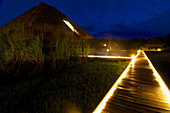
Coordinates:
(152,49)
(104,45)
(159,49)
(70,26)
(107,50)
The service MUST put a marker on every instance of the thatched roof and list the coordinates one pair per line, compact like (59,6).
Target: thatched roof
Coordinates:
(47,20)
(154,42)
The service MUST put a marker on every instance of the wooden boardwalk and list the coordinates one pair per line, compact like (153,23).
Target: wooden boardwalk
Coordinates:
(139,89)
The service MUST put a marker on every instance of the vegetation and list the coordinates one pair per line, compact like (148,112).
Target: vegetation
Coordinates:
(161,62)
(166,49)
(116,44)
(18,54)
(63,81)
(78,88)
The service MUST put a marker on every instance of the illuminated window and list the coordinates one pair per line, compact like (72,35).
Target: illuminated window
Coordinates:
(70,26)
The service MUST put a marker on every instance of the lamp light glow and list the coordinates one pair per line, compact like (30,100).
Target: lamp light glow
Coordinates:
(133,60)
(119,57)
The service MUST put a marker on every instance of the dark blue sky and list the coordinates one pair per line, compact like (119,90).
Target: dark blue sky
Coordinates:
(121,18)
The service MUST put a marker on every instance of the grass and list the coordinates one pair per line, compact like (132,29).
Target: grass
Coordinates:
(17,54)
(75,88)
(161,61)
(51,81)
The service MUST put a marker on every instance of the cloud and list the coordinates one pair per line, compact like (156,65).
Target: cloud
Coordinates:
(129,33)
(159,23)
(155,26)
(89,28)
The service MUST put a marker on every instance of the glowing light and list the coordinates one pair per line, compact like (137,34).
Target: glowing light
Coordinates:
(104,45)
(107,50)
(160,81)
(133,56)
(70,26)
(159,49)
(121,57)
(139,51)
(133,60)
(102,104)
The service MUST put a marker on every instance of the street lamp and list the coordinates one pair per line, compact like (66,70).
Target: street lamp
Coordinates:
(107,51)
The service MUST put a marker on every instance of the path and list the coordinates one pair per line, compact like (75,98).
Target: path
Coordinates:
(138,89)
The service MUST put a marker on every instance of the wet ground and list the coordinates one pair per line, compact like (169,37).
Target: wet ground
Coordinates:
(139,91)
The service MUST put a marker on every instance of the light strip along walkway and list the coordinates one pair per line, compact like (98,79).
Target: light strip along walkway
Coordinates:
(139,89)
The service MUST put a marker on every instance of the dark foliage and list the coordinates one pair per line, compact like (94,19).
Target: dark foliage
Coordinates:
(79,86)
(161,62)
